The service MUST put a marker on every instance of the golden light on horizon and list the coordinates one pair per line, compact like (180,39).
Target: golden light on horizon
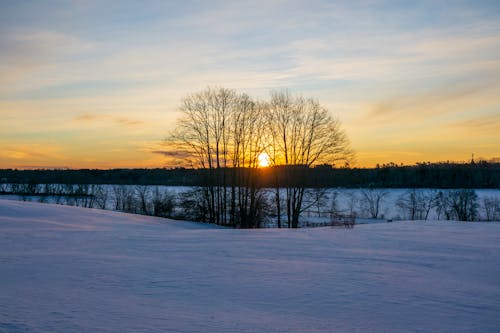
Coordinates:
(263,160)
(67,102)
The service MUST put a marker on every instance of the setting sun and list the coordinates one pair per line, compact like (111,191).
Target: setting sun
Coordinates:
(263,160)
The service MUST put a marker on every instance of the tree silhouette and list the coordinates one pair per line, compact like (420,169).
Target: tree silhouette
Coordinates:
(225,130)
(301,133)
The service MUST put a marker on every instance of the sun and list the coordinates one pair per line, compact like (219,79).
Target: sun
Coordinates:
(263,160)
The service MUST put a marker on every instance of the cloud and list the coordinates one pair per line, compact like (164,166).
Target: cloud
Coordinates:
(29,52)
(127,121)
(173,153)
(407,55)
(37,167)
(106,119)
(485,124)
(31,152)
(86,117)
(435,103)
(162,148)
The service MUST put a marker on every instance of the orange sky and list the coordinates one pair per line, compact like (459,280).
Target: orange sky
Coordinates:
(87,86)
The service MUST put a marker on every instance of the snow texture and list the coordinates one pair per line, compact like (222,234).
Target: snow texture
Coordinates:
(70,269)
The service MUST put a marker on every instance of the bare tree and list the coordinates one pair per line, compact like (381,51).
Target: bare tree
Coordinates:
(124,199)
(247,133)
(222,129)
(193,205)
(352,201)
(302,133)
(318,198)
(441,205)
(427,199)
(463,203)
(101,197)
(201,131)
(371,200)
(416,204)
(143,195)
(163,203)
(491,208)
(4,188)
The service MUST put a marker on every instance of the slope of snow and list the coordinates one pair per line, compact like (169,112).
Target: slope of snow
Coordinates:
(68,269)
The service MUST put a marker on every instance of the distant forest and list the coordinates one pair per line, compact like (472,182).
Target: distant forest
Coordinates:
(423,175)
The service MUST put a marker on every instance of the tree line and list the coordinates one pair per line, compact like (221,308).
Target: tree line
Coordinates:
(425,175)
(320,205)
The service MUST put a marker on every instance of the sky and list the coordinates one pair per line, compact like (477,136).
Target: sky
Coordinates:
(97,84)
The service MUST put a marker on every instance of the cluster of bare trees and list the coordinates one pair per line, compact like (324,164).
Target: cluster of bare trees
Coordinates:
(371,201)
(318,203)
(459,204)
(491,206)
(84,195)
(416,204)
(301,133)
(221,129)
(142,199)
(139,199)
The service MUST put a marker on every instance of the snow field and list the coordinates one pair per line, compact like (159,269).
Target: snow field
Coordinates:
(70,269)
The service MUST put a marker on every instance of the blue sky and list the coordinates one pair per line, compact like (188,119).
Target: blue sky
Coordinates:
(97,83)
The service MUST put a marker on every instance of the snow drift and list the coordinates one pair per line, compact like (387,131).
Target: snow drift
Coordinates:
(69,269)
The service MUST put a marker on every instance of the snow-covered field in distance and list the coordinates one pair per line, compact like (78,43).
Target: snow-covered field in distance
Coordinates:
(70,269)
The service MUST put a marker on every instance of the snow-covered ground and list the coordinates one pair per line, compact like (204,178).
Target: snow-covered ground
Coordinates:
(70,269)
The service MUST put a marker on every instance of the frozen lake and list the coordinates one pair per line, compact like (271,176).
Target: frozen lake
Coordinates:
(318,203)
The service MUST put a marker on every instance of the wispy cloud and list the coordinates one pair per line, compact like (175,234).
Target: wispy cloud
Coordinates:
(436,103)
(31,152)
(174,154)
(30,53)
(485,124)
(127,121)
(106,119)
(86,117)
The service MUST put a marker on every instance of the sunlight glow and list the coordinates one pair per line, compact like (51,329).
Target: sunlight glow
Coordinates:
(66,101)
(263,160)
